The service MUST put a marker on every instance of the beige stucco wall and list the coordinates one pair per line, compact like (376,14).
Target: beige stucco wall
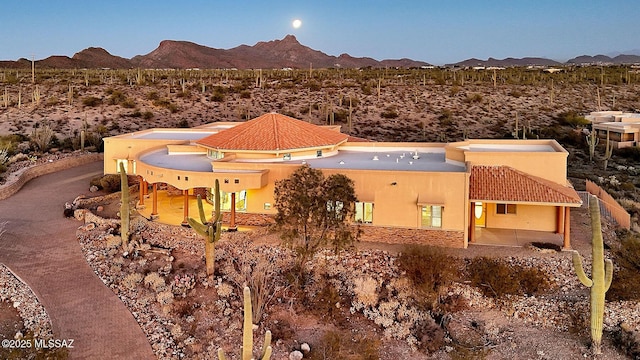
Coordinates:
(530,217)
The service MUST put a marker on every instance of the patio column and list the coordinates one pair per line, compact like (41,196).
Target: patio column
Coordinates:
(143,185)
(232,222)
(185,194)
(560,220)
(154,212)
(566,245)
(472,223)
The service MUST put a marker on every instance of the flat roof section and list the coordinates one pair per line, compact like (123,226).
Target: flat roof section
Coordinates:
(173,135)
(387,160)
(508,148)
(186,162)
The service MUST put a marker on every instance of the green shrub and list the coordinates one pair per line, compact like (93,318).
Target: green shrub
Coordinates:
(626,280)
(344,345)
(572,118)
(91,101)
(496,278)
(430,270)
(389,113)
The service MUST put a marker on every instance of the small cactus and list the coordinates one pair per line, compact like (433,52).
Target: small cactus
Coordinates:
(601,275)
(247,334)
(209,230)
(124,206)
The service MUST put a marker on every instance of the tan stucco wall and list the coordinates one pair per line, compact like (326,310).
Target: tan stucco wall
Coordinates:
(530,217)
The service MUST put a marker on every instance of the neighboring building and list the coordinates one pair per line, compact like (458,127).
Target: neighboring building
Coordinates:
(440,193)
(623,128)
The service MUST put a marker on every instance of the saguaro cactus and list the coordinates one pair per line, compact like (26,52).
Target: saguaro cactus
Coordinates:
(608,151)
(247,334)
(592,141)
(124,206)
(601,275)
(209,230)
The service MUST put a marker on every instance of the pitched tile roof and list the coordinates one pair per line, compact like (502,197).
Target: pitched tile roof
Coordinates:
(273,132)
(506,184)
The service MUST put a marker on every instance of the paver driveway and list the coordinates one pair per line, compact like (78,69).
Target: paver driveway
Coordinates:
(40,246)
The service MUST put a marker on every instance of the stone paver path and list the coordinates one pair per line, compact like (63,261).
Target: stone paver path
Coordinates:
(40,246)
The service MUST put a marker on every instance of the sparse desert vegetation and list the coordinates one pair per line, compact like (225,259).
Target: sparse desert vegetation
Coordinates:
(352,304)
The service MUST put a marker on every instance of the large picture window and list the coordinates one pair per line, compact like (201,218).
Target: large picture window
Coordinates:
(364,212)
(506,209)
(431,216)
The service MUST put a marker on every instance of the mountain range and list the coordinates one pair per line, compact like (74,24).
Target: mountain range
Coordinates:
(285,53)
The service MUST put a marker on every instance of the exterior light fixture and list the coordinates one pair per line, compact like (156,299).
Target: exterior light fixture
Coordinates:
(394,183)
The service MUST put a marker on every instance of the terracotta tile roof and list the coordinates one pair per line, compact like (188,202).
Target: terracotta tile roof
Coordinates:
(506,184)
(273,132)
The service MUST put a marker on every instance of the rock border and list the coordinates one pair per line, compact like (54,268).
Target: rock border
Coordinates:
(33,314)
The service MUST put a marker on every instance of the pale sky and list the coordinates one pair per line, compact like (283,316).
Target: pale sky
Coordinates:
(437,32)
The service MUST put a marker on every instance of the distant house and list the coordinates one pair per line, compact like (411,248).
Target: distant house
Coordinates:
(428,193)
(623,128)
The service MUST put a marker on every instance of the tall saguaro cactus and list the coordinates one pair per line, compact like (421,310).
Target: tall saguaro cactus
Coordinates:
(209,230)
(124,206)
(247,334)
(601,274)
(592,141)
(608,151)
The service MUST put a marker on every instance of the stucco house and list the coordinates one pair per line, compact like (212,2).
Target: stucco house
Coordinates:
(623,128)
(440,193)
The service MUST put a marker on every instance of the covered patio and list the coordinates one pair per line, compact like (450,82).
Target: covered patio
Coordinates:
(515,237)
(511,208)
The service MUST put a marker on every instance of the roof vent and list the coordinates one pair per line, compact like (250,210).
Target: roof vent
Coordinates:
(341,162)
(375,157)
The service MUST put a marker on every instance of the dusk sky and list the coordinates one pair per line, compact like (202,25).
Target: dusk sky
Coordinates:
(437,32)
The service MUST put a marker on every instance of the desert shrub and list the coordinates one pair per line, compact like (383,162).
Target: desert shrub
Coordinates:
(571,118)
(473,98)
(495,278)
(244,264)
(155,281)
(389,113)
(165,297)
(147,115)
(430,270)
(626,280)
(314,86)
(326,302)
(91,101)
(113,242)
(245,94)
(627,339)
(218,94)
(446,118)
(109,183)
(132,280)
(632,152)
(153,95)
(343,345)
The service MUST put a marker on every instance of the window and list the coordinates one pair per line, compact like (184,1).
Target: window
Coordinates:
(124,162)
(267,206)
(286,157)
(364,212)
(319,153)
(431,216)
(214,154)
(236,181)
(335,207)
(241,200)
(506,208)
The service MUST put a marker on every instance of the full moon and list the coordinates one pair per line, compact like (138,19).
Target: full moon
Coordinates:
(296,23)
